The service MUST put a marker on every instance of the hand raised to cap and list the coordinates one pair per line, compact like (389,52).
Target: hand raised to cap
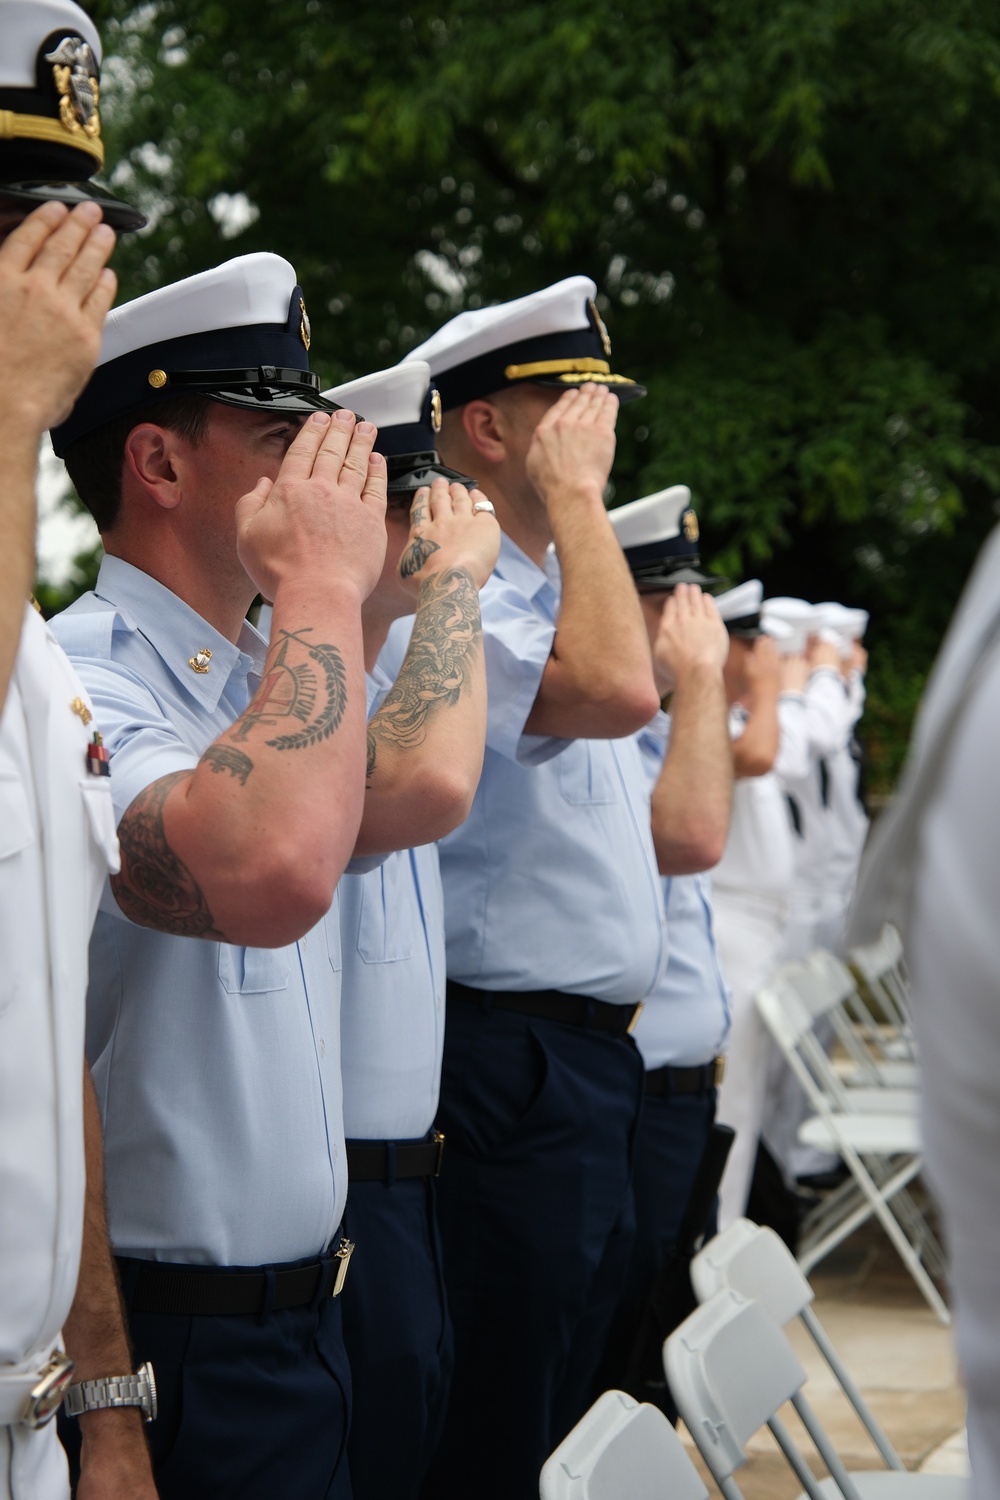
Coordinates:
(445,532)
(323,517)
(794,673)
(55,293)
(762,667)
(573,446)
(692,636)
(822,654)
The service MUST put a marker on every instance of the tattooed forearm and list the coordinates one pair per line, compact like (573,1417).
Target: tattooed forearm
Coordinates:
(446,632)
(221,758)
(372,757)
(303,682)
(416,555)
(155,888)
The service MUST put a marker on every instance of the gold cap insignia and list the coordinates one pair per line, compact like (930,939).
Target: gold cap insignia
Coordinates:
(436,410)
(77,79)
(689,524)
(157,379)
(305,327)
(200,660)
(79,707)
(598,323)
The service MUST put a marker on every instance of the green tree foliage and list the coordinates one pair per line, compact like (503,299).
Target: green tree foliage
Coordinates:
(791,210)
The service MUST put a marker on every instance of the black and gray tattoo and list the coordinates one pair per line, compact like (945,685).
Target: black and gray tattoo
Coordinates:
(371,758)
(154,888)
(221,758)
(446,633)
(312,692)
(416,555)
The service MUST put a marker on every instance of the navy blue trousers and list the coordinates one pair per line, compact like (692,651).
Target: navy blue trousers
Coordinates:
(398,1336)
(249,1408)
(673,1132)
(540,1120)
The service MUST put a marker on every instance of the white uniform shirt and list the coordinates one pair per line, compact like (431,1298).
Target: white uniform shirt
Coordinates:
(57,844)
(758,864)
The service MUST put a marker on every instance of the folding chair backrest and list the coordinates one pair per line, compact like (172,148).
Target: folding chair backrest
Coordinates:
(756,1263)
(621,1451)
(787,1017)
(730,1368)
(824,982)
(753,1261)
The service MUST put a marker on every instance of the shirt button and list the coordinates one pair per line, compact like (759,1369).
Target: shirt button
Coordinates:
(322,1047)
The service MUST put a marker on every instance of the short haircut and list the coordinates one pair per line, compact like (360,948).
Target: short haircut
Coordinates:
(95,462)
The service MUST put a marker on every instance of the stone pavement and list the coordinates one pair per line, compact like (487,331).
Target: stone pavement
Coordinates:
(900,1356)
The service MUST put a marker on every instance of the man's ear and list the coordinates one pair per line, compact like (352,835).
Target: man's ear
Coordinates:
(150,453)
(485,430)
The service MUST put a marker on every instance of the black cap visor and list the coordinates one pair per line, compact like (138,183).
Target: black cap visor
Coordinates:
(409,472)
(267,387)
(625,389)
(653,581)
(30,195)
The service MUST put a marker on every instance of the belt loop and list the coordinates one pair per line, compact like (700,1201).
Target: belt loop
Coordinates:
(324,1281)
(390,1163)
(267,1301)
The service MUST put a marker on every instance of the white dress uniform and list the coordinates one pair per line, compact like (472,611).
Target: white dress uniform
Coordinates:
(933,868)
(751,887)
(57,844)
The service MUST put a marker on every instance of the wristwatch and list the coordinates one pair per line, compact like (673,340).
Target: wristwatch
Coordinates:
(114,1390)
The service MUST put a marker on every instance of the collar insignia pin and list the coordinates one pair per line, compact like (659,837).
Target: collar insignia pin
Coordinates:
(79,707)
(200,660)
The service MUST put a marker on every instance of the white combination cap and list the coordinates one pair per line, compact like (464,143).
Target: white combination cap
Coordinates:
(238,334)
(406,409)
(50,80)
(659,536)
(740,607)
(554,337)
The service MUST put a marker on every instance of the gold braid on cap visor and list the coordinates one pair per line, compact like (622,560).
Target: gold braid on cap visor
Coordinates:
(14,127)
(567,369)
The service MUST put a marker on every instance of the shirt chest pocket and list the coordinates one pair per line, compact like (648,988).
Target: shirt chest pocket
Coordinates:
(254,971)
(17,829)
(386,926)
(97,800)
(587,774)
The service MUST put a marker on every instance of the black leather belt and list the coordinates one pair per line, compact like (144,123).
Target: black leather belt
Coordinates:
(553,1005)
(217,1291)
(387,1161)
(662,1082)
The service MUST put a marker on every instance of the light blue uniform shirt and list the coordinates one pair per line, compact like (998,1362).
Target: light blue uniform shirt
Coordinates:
(392,1018)
(217,1067)
(685,1021)
(551,883)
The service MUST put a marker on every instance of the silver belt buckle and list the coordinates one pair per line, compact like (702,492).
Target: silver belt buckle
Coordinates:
(47,1394)
(343,1253)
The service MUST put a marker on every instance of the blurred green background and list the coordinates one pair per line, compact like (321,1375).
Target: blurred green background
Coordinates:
(791,211)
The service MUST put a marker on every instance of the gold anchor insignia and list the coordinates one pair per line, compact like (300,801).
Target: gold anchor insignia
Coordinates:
(689,522)
(436,410)
(79,707)
(598,323)
(305,327)
(200,660)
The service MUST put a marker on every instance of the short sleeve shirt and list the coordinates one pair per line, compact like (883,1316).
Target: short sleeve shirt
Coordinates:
(217,1067)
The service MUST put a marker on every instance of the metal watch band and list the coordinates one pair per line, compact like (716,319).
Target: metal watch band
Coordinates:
(114,1390)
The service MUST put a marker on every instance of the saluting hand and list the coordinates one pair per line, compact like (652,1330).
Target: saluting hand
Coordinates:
(446,532)
(692,636)
(762,667)
(573,446)
(323,517)
(55,292)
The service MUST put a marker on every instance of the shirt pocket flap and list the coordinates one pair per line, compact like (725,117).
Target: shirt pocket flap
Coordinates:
(17,827)
(100,807)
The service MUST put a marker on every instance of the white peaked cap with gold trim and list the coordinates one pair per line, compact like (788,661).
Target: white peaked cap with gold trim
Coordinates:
(238,334)
(554,337)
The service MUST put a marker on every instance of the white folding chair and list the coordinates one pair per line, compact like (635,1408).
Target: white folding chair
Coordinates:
(869,1081)
(881,967)
(753,1261)
(621,1451)
(731,1369)
(881,1150)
